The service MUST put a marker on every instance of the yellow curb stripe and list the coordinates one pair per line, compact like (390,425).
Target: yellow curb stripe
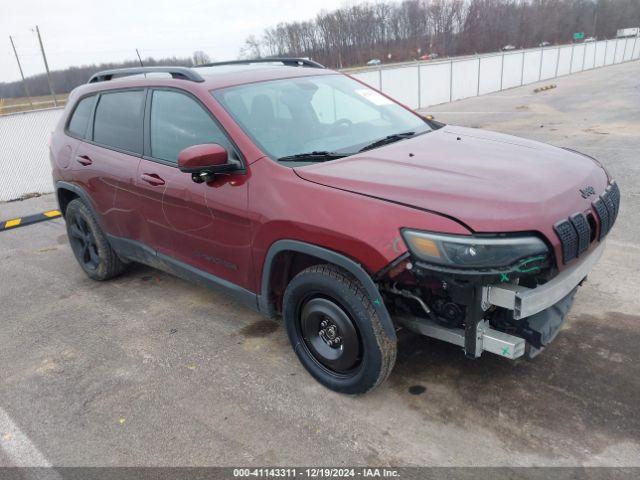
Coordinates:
(12,223)
(52,213)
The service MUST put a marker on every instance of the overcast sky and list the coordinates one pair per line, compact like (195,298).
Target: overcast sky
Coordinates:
(77,32)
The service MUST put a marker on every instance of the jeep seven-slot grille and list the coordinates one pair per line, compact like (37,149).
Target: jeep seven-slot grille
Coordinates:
(575,233)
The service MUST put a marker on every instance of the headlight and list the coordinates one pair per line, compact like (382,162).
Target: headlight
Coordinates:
(473,252)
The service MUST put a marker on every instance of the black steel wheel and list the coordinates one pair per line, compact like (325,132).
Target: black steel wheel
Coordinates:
(329,335)
(89,244)
(335,330)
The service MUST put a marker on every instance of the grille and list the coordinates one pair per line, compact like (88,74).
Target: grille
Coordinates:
(568,238)
(577,232)
(579,222)
(603,215)
(607,207)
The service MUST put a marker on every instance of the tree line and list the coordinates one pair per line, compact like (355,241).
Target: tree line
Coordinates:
(66,80)
(354,34)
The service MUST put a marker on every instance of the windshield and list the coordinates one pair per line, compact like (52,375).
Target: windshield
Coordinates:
(324,113)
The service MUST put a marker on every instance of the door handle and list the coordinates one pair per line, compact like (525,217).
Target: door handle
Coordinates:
(152,179)
(84,160)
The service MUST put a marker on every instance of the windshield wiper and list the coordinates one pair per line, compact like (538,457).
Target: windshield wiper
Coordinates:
(388,139)
(316,156)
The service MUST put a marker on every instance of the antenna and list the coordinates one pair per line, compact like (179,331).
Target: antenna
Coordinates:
(140,59)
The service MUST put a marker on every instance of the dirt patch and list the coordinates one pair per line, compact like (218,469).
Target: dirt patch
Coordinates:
(261,328)
(581,395)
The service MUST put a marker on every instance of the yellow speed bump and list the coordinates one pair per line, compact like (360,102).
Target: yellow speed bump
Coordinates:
(24,221)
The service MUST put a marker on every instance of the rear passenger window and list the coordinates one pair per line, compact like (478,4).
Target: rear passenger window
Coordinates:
(178,122)
(80,118)
(118,120)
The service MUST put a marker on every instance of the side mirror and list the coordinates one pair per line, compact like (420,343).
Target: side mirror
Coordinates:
(204,161)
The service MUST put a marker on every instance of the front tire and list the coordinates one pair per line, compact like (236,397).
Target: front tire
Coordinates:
(89,244)
(335,330)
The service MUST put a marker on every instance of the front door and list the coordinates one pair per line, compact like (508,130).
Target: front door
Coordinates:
(203,225)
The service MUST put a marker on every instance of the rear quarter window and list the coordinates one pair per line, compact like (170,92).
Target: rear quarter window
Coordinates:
(118,120)
(80,117)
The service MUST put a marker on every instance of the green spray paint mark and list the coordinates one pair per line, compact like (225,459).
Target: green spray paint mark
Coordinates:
(527,270)
(505,351)
(377,302)
(504,277)
(532,259)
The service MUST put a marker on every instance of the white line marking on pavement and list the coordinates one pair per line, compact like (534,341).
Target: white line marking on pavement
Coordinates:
(21,452)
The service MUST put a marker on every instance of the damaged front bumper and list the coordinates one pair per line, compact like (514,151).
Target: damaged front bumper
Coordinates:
(509,319)
(528,301)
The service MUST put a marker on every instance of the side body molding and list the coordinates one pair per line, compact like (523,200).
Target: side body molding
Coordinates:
(331,257)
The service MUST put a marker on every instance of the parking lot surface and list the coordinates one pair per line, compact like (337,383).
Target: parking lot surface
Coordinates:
(150,370)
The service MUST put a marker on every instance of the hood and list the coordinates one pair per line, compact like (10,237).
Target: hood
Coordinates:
(488,181)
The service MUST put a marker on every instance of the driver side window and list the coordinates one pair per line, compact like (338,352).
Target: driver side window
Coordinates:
(177,122)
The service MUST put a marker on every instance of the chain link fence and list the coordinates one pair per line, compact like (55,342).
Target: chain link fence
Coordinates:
(24,154)
(24,159)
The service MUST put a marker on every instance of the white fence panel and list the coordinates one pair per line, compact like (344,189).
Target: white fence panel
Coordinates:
(24,153)
(402,84)
(609,52)
(512,71)
(435,80)
(465,79)
(490,68)
(531,68)
(589,55)
(549,61)
(619,50)
(564,62)
(370,78)
(636,48)
(628,49)
(601,48)
(576,58)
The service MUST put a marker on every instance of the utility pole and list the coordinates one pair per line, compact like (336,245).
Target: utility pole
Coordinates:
(24,82)
(46,66)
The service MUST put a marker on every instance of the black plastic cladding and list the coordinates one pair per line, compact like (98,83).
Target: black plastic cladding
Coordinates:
(575,233)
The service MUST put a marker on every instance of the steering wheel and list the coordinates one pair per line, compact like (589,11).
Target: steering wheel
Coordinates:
(338,125)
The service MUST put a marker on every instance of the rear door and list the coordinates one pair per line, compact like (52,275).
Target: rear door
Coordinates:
(106,163)
(203,225)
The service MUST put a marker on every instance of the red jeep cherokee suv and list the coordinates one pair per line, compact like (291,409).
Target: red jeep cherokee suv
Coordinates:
(306,194)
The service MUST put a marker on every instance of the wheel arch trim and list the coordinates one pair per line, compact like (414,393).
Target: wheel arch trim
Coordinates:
(82,194)
(329,256)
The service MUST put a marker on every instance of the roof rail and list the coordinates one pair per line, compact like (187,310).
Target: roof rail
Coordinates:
(183,73)
(289,62)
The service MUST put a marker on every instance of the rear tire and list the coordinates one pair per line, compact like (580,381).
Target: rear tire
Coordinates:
(335,330)
(89,244)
